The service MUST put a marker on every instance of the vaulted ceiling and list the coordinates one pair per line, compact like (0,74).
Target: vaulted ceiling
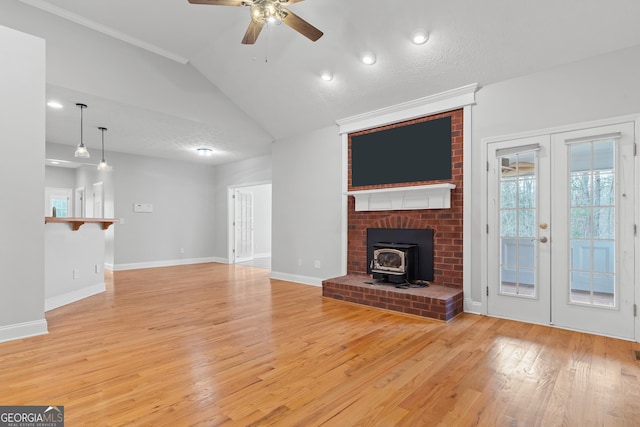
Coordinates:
(208,89)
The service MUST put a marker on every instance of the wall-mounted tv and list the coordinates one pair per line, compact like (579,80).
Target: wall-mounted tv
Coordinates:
(412,153)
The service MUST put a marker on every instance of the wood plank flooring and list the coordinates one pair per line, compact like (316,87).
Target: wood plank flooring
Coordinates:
(215,344)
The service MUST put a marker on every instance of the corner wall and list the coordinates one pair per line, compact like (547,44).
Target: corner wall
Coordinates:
(307,207)
(22,140)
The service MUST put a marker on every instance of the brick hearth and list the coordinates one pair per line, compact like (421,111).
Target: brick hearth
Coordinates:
(435,301)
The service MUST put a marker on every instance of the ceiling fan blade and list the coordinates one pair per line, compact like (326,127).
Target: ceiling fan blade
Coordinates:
(252,33)
(300,25)
(219,2)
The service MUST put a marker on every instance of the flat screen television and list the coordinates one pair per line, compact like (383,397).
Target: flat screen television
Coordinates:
(412,153)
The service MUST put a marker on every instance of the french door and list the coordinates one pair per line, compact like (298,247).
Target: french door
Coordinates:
(561,230)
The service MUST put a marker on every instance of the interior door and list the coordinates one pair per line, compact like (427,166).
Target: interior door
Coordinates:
(519,251)
(561,230)
(98,200)
(243,226)
(79,203)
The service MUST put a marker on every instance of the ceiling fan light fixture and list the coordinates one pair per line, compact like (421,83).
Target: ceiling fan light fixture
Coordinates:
(419,37)
(266,12)
(81,150)
(368,58)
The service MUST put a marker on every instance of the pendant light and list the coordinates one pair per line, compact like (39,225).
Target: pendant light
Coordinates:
(81,151)
(103,166)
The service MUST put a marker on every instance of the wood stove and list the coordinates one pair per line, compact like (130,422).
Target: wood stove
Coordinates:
(400,255)
(394,262)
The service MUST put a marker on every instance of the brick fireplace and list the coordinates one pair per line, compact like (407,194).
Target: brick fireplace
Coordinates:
(443,298)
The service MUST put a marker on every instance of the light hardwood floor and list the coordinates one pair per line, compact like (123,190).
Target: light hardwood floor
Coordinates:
(213,344)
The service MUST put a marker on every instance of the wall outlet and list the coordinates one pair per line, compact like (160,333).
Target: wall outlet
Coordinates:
(316,264)
(97,269)
(75,273)
(181,250)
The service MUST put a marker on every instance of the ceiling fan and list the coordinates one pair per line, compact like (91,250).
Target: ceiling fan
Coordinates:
(268,11)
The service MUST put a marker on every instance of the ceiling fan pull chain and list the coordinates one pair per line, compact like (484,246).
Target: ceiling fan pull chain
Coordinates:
(266,51)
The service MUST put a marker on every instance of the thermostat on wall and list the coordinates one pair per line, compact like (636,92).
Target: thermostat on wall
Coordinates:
(142,207)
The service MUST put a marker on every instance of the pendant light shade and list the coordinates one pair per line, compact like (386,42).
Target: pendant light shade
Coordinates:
(103,166)
(81,151)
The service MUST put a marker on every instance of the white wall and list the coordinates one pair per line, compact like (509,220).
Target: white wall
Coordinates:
(244,173)
(597,88)
(307,206)
(22,136)
(66,250)
(182,195)
(60,177)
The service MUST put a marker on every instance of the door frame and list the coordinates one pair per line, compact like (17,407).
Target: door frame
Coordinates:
(484,218)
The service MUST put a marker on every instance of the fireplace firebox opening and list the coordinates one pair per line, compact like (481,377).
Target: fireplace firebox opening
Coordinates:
(400,256)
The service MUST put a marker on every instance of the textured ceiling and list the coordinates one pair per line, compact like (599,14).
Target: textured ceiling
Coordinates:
(272,89)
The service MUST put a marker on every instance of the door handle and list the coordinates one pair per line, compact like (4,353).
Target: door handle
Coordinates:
(543,239)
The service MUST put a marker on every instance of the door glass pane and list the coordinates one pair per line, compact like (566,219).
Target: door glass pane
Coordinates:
(518,199)
(592,223)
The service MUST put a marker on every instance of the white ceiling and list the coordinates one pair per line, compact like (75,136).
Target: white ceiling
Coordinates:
(273,90)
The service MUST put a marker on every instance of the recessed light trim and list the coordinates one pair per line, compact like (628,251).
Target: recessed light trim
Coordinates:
(327,76)
(54,104)
(419,37)
(368,58)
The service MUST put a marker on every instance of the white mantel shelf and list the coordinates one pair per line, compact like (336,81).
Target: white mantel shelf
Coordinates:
(435,196)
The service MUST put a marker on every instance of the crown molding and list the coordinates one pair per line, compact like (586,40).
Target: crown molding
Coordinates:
(432,104)
(81,20)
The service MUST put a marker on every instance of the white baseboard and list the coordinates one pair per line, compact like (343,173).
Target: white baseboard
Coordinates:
(262,255)
(305,280)
(69,297)
(23,330)
(167,263)
(471,306)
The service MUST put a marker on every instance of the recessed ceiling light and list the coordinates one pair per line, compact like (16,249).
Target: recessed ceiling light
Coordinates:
(54,104)
(419,37)
(55,162)
(204,151)
(368,58)
(327,76)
